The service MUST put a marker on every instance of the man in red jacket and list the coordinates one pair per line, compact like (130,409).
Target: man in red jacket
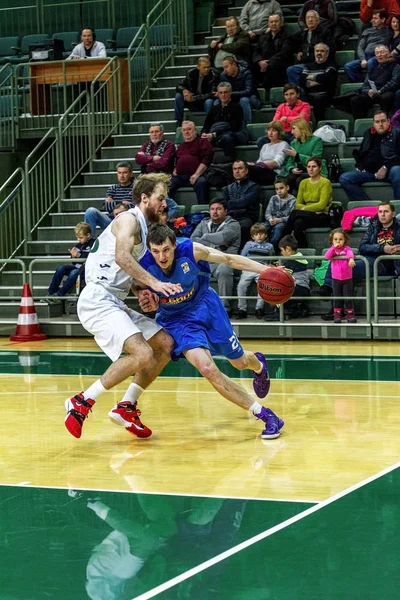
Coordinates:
(368,6)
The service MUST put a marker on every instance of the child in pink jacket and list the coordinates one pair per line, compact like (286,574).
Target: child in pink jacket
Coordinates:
(342,275)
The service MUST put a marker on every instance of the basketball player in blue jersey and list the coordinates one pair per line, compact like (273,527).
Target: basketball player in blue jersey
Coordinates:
(196,318)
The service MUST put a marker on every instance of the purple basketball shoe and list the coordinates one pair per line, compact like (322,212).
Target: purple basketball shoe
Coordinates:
(262,382)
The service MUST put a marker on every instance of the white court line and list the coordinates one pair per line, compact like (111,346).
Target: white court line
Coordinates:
(261,536)
(270,395)
(173,494)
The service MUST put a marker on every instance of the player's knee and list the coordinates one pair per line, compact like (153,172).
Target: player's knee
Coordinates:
(209,370)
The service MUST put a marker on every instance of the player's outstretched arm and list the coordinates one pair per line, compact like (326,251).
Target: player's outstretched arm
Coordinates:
(232,260)
(125,228)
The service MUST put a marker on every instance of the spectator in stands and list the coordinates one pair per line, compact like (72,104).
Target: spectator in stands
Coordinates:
(157,154)
(119,193)
(254,15)
(222,232)
(196,90)
(242,197)
(224,125)
(193,156)
(368,40)
(273,54)
(395,41)
(368,7)
(258,246)
(89,47)
(243,87)
(382,237)
(272,156)
(71,270)
(235,42)
(280,205)
(326,9)
(378,159)
(298,267)
(303,146)
(312,205)
(319,81)
(303,44)
(379,88)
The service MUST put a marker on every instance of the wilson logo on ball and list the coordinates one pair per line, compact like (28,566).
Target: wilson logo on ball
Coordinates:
(269,288)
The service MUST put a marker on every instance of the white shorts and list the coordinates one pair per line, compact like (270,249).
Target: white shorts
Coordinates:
(110,320)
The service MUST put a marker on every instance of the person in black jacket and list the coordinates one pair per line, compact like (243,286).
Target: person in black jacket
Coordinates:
(379,87)
(243,87)
(319,80)
(273,54)
(243,199)
(224,125)
(303,44)
(378,159)
(195,91)
(235,42)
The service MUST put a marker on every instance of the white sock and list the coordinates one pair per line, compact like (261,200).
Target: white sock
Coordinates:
(255,408)
(133,393)
(94,390)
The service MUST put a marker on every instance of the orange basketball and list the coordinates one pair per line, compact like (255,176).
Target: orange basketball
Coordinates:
(275,285)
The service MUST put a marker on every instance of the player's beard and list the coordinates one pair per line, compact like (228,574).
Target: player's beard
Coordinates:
(152,216)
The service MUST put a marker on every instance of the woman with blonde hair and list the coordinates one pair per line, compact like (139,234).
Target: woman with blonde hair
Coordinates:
(272,156)
(303,146)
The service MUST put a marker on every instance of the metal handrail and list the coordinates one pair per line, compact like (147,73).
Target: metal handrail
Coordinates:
(13,214)
(56,261)
(376,276)
(7,261)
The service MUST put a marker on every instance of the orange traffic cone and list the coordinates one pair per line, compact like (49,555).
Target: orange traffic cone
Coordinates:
(28,329)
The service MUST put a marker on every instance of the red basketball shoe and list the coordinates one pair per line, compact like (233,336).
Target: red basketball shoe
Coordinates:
(128,415)
(77,410)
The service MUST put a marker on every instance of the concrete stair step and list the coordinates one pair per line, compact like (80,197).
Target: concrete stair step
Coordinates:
(40,277)
(151,106)
(60,233)
(192,58)
(142,127)
(137,139)
(99,178)
(66,219)
(99,165)
(159,115)
(51,249)
(81,204)
(125,151)
(179,72)
(162,92)
(88,191)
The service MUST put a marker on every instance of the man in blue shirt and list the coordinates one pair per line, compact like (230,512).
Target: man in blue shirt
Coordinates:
(197,320)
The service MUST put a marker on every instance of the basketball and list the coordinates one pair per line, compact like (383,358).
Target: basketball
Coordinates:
(275,285)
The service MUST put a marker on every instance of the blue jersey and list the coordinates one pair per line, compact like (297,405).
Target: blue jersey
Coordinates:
(195,317)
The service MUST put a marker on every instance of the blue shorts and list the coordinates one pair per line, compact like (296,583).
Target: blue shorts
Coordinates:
(205,325)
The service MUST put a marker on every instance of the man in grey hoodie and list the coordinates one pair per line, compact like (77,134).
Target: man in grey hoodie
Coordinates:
(223,233)
(255,13)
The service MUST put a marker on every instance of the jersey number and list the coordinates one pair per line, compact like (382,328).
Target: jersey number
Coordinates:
(234,342)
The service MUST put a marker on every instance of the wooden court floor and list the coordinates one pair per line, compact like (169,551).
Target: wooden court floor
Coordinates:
(204,508)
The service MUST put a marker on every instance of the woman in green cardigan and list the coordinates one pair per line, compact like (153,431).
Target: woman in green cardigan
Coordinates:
(312,205)
(303,146)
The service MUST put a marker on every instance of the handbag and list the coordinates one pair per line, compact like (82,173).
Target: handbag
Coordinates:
(335,169)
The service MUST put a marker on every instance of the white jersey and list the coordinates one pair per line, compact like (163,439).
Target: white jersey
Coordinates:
(100,266)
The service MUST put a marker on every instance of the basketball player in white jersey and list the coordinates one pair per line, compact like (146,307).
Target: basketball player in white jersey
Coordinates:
(110,270)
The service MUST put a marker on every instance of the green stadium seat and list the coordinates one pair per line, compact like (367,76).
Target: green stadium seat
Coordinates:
(70,39)
(181,210)
(179,136)
(349,87)
(291,28)
(195,208)
(344,122)
(124,38)
(358,25)
(256,130)
(8,47)
(23,51)
(162,36)
(355,204)
(361,126)
(106,37)
(262,94)
(276,96)
(344,56)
